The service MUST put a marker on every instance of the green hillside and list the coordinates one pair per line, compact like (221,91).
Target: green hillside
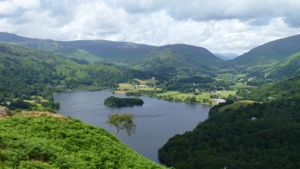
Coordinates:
(287,68)
(180,60)
(283,89)
(268,63)
(254,136)
(52,141)
(269,53)
(27,72)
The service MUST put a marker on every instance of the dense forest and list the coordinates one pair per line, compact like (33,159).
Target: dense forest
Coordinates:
(260,135)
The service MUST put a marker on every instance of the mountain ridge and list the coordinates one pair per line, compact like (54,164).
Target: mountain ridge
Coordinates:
(270,52)
(128,54)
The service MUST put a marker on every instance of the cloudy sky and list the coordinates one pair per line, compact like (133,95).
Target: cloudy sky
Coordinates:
(222,26)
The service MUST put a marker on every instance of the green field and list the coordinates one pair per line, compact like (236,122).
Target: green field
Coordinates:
(124,88)
(144,89)
(204,97)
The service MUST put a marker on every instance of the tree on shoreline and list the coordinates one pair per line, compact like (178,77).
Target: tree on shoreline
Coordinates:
(122,122)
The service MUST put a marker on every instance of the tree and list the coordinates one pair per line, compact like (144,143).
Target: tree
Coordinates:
(122,122)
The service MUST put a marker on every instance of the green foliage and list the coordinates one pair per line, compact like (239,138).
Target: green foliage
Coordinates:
(19,104)
(283,89)
(122,102)
(254,136)
(27,72)
(50,142)
(122,122)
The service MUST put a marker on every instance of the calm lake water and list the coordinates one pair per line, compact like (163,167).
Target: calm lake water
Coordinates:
(156,121)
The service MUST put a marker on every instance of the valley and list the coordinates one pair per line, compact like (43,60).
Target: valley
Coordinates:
(252,97)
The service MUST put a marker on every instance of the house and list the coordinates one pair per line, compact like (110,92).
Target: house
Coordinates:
(253,118)
(142,85)
(218,101)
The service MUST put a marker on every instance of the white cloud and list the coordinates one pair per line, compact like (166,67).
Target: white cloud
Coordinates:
(202,10)
(26,4)
(7,7)
(227,26)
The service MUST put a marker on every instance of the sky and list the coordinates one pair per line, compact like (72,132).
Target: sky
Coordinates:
(227,27)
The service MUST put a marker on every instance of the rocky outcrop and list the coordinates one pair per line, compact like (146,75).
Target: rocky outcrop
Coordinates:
(4,111)
(40,113)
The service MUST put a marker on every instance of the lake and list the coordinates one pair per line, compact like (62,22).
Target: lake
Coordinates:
(156,121)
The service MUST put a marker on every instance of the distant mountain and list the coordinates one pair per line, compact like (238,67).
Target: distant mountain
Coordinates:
(142,57)
(227,56)
(124,53)
(8,37)
(49,46)
(181,60)
(269,53)
(169,59)
(132,53)
(195,55)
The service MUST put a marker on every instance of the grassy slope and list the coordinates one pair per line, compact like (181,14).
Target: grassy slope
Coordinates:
(32,142)
(287,68)
(269,53)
